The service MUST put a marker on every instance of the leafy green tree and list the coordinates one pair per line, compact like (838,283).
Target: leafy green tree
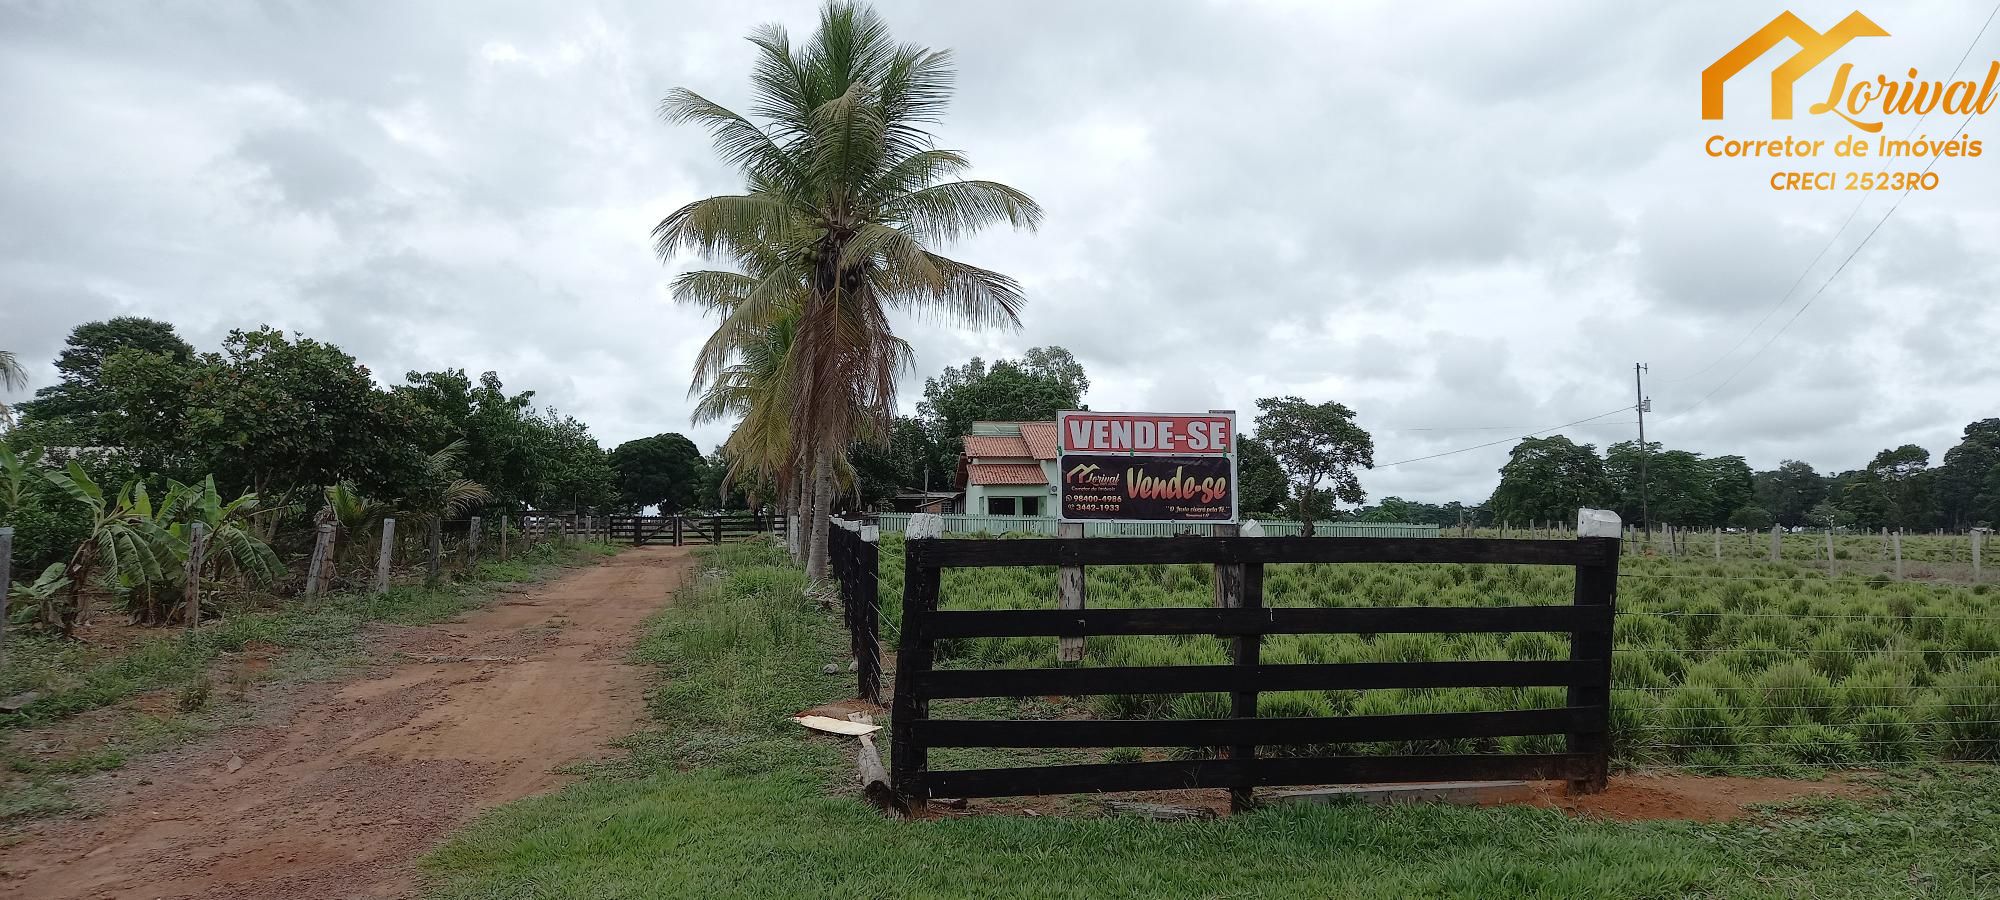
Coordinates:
(79,407)
(1968,480)
(1044,381)
(665,470)
(497,429)
(1319,446)
(570,470)
(1549,479)
(1731,486)
(1260,480)
(1905,479)
(846,196)
(1790,491)
(1751,518)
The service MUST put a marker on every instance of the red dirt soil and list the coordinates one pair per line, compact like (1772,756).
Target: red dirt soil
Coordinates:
(1630,798)
(340,791)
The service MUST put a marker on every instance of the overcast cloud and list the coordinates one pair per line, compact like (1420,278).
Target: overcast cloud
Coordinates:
(1458,221)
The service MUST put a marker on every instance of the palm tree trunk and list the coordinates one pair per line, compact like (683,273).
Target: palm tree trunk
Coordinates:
(822,501)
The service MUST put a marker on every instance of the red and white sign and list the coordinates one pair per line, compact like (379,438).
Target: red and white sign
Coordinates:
(1147,433)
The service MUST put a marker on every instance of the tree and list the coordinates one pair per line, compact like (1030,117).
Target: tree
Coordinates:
(1034,388)
(1549,479)
(12,378)
(80,404)
(1904,478)
(664,470)
(1261,487)
(1968,481)
(1751,518)
(1731,486)
(1790,491)
(1319,447)
(846,196)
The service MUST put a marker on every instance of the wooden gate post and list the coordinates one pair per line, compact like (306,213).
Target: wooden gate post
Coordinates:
(1245,590)
(1596,587)
(1070,595)
(386,556)
(677,529)
(909,759)
(868,587)
(717,521)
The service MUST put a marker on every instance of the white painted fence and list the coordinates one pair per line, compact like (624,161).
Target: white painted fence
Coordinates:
(1046,525)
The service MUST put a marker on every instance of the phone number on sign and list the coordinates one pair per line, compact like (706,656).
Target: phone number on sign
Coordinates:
(1854,181)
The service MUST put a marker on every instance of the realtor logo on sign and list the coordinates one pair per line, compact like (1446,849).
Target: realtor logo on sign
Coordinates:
(1147,467)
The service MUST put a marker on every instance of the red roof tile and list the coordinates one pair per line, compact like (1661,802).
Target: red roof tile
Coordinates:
(1041,438)
(1005,473)
(996,446)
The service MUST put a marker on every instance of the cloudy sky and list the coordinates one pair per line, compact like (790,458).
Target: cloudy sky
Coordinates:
(1466,224)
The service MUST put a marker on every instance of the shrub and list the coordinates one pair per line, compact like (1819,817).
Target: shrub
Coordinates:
(1794,693)
(1695,719)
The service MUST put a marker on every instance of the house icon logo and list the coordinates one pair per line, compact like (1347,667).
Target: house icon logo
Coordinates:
(1814,48)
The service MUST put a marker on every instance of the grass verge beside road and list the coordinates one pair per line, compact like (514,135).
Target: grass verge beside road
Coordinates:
(727,797)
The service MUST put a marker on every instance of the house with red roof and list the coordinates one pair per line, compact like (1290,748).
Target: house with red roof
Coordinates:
(1009,469)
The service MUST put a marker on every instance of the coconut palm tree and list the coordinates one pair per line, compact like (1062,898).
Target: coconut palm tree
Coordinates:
(846,197)
(12,378)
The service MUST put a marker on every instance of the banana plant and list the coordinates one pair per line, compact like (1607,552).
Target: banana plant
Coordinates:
(125,542)
(15,470)
(31,597)
(232,546)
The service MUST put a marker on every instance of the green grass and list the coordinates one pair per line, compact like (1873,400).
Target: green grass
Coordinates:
(1733,665)
(726,797)
(312,639)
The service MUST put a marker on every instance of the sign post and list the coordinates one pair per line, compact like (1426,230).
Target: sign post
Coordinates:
(1147,467)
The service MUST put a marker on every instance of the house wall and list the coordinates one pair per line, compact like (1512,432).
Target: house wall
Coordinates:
(976,494)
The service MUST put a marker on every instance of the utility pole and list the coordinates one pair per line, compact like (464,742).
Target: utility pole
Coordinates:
(1639,389)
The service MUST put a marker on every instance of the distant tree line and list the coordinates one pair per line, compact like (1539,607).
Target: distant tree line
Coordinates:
(1549,478)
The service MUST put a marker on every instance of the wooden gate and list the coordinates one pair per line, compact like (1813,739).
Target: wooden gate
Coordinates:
(1243,618)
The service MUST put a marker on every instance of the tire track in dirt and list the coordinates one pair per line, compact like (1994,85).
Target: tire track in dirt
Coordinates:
(338,797)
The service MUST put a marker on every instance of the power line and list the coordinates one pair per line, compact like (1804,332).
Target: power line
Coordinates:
(1857,247)
(1835,238)
(1505,440)
(1502,427)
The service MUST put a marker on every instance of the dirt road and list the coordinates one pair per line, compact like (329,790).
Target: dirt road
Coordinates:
(337,794)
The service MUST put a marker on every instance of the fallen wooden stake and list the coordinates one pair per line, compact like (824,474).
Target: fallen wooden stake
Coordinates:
(1158,812)
(875,779)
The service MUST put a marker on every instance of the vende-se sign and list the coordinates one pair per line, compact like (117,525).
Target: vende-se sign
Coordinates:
(1147,467)
(1092,432)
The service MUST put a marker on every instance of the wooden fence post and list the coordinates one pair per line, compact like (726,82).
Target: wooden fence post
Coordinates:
(503,537)
(1976,541)
(1776,552)
(717,521)
(677,529)
(909,759)
(6,584)
(386,556)
(191,575)
(1245,591)
(1829,552)
(435,565)
(1596,586)
(1070,595)
(1718,543)
(472,537)
(322,548)
(1896,541)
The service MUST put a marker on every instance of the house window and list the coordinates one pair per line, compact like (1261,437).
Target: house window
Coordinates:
(1031,506)
(1000,506)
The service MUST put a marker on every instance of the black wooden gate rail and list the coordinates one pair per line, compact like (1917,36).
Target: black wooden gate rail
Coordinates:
(854,558)
(1584,721)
